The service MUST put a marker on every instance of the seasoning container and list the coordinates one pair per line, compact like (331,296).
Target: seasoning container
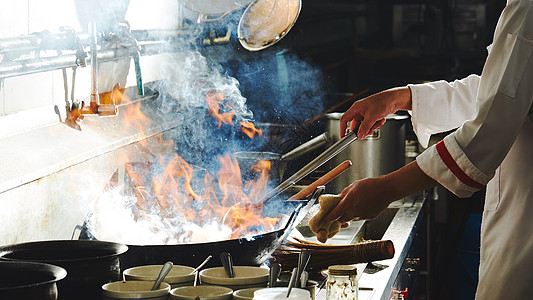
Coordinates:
(342,283)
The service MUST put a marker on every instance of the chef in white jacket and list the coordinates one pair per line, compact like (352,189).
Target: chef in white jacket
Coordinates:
(492,147)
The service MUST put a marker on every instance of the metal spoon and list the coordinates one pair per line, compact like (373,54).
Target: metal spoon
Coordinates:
(227,261)
(195,271)
(162,274)
(275,270)
(303,260)
(201,265)
(303,279)
(292,281)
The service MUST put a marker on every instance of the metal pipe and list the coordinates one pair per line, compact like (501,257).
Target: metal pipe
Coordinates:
(36,41)
(29,42)
(44,64)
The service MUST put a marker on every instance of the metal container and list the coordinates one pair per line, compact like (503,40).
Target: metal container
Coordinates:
(378,154)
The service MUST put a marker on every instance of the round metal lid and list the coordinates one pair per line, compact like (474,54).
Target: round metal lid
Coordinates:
(266,22)
(343,270)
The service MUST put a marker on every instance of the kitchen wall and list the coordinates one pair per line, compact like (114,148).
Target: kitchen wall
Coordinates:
(47,168)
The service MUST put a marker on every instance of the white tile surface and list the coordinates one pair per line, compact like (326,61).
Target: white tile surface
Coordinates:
(26,92)
(13,18)
(51,15)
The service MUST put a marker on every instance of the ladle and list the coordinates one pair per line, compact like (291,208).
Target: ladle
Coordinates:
(162,274)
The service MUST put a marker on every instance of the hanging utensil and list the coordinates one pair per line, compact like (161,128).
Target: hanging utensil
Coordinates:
(162,274)
(266,22)
(227,262)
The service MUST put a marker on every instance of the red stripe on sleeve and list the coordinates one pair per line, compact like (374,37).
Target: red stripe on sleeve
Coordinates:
(456,170)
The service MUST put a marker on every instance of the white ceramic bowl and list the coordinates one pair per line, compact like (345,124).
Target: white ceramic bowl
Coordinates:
(201,292)
(245,277)
(281,293)
(245,294)
(134,290)
(311,286)
(178,275)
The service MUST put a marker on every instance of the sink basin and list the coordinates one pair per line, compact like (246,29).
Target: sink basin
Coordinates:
(375,229)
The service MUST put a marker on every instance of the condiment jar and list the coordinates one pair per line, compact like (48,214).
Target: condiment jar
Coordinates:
(342,283)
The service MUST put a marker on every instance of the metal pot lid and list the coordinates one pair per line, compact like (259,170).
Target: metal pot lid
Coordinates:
(215,7)
(266,22)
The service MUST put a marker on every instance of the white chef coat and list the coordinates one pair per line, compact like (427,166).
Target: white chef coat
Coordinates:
(493,146)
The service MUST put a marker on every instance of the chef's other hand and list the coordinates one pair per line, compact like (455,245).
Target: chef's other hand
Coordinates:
(368,114)
(325,230)
(362,200)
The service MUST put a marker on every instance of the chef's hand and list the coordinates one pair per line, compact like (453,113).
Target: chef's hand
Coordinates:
(369,113)
(367,198)
(362,200)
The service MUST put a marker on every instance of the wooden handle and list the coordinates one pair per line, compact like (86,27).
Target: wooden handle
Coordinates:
(322,180)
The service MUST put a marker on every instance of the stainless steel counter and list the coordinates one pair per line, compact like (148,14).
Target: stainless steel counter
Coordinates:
(398,223)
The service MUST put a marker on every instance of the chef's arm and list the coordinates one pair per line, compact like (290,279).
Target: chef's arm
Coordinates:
(436,107)
(467,159)
(367,198)
(368,114)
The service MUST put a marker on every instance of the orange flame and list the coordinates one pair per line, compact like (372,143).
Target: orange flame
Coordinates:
(171,192)
(249,129)
(133,116)
(212,101)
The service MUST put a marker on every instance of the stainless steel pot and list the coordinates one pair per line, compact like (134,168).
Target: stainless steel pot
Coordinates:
(377,154)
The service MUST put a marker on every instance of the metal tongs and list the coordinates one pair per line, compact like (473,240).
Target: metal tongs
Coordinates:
(313,165)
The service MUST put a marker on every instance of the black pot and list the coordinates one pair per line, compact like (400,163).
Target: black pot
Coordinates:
(89,264)
(29,281)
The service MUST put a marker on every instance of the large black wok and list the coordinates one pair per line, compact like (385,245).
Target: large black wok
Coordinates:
(89,264)
(245,251)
